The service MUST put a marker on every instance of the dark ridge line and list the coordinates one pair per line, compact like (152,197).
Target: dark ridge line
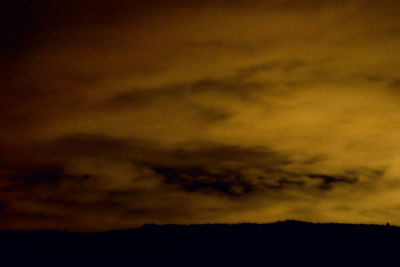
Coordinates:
(149,226)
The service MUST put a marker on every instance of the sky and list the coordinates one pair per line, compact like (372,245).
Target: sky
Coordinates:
(116,113)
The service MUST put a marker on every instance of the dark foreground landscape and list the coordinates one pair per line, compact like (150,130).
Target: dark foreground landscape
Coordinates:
(289,241)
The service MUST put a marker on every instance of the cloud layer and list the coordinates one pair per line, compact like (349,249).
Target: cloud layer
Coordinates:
(120,113)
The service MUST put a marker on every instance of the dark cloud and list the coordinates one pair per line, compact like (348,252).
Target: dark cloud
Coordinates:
(284,66)
(140,151)
(209,168)
(229,182)
(136,180)
(374,78)
(38,175)
(146,96)
(327,181)
(395,83)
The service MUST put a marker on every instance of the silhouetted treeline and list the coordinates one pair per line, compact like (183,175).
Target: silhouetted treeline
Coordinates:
(282,241)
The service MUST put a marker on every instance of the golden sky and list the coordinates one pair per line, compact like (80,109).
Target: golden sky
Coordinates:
(114,114)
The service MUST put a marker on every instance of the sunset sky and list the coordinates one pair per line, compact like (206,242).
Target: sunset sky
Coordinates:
(117,113)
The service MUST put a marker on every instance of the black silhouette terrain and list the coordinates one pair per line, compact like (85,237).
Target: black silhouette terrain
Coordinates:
(284,242)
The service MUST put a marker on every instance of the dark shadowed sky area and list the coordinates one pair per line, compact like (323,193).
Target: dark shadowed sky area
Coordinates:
(117,113)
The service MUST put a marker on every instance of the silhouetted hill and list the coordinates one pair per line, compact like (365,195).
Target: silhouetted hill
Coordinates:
(281,241)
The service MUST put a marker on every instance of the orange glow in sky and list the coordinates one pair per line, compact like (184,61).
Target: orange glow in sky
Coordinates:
(114,114)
